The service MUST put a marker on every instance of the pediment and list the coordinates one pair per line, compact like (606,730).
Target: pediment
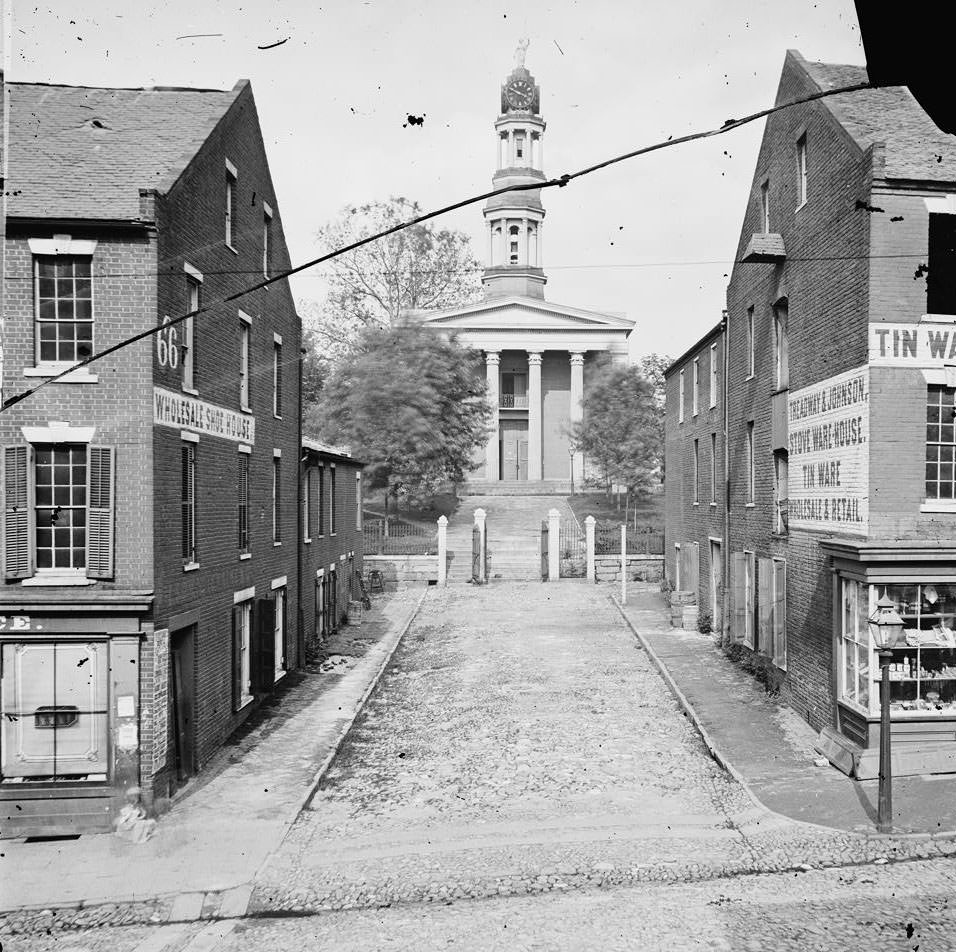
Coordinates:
(522,314)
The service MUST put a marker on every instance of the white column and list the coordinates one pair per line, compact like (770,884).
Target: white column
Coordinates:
(492,362)
(540,244)
(541,153)
(554,536)
(577,413)
(589,538)
(511,148)
(480,516)
(533,246)
(534,417)
(524,259)
(491,250)
(443,550)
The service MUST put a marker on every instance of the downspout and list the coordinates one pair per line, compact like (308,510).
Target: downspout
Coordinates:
(300,535)
(725,562)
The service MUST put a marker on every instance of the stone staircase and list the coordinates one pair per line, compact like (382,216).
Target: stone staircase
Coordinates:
(515,487)
(514,535)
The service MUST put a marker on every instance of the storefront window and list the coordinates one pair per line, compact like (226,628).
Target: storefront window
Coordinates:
(923,668)
(54,711)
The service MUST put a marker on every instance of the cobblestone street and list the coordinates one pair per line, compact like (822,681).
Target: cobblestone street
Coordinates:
(521,778)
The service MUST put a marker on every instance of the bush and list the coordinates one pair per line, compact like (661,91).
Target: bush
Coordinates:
(705,623)
(760,666)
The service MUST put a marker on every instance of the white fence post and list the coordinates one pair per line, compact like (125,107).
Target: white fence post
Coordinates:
(482,542)
(589,534)
(623,563)
(554,537)
(442,550)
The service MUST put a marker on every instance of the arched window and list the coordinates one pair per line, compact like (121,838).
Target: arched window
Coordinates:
(513,245)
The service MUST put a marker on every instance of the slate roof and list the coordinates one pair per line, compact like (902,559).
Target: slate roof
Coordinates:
(915,147)
(84,152)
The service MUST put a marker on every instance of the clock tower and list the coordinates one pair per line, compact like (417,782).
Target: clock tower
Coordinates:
(514,219)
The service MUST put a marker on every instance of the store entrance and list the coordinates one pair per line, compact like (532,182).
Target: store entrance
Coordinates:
(183,697)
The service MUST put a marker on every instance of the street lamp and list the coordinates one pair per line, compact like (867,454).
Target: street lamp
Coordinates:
(885,628)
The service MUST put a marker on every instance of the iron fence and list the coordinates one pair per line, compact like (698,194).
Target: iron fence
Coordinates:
(572,550)
(643,541)
(396,537)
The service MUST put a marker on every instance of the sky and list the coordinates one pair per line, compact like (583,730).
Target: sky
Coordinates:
(652,237)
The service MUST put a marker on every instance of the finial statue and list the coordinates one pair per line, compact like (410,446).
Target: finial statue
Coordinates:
(521,51)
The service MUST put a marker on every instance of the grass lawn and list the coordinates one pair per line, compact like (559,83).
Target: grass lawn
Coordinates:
(421,512)
(649,512)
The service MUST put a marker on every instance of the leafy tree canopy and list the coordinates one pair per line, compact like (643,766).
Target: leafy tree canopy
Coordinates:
(620,433)
(410,403)
(417,268)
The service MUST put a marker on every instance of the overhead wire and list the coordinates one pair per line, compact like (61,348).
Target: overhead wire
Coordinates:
(558,182)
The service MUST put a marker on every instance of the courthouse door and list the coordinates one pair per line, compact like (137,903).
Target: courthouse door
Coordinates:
(522,459)
(514,449)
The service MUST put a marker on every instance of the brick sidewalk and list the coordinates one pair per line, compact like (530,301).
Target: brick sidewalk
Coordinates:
(208,848)
(767,745)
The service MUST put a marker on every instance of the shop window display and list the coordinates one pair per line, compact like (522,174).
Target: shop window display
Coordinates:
(923,668)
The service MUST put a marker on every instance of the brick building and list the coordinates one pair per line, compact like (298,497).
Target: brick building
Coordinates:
(841,382)
(150,588)
(332,537)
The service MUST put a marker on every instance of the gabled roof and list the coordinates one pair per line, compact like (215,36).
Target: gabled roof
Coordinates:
(84,152)
(534,313)
(915,147)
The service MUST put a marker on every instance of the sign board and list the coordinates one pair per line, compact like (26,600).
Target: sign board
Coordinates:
(187,413)
(828,461)
(927,344)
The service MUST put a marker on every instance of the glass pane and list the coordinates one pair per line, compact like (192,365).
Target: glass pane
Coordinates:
(82,267)
(47,310)
(83,308)
(84,288)
(849,670)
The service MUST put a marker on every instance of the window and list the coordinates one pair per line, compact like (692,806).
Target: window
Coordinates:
(781,346)
(513,244)
(765,207)
(358,502)
(277,497)
(940,443)
(193,303)
(242,653)
(69,488)
(231,207)
(188,504)
(278,633)
(696,383)
(266,239)
(713,469)
(772,610)
(802,171)
(696,472)
(243,497)
(742,586)
(941,277)
(680,397)
(244,334)
(55,710)
(780,492)
(751,363)
(307,506)
(332,500)
(750,463)
(321,502)
(713,375)
(64,308)
(277,376)
(519,145)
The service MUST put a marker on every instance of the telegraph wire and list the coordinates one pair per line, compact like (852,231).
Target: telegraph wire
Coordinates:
(559,182)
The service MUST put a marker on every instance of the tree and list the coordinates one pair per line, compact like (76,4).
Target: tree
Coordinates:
(411,404)
(620,432)
(418,267)
(652,367)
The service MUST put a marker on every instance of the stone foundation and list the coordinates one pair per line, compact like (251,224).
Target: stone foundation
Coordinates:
(640,568)
(404,569)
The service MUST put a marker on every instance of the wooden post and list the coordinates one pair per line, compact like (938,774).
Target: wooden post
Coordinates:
(589,534)
(623,563)
(442,550)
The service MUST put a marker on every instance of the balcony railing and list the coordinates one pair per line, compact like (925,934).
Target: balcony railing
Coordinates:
(513,401)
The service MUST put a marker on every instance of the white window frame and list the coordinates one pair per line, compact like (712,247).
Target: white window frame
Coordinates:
(276,497)
(778,624)
(276,360)
(245,452)
(696,389)
(194,282)
(751,346)
(232,188)
(751,470)
(765,206)
(713,376)
(713,469)
(801,171)
(333,528)
(245,646)
(245,348)
(191,564)
(750,564)
(358,501)
(266,238)
(680,397)
(696,472)
(279,592)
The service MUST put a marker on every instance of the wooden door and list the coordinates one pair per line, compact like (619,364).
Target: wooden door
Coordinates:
(182,696)
(509,456)
(522,459)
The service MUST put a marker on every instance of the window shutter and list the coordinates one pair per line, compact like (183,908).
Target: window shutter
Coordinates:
(100,508)
(765,606)
(236,657)
(18,512)
(780,614)
(738,569)
(263,646)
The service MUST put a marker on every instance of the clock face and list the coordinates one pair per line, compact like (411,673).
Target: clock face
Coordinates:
(519,93)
